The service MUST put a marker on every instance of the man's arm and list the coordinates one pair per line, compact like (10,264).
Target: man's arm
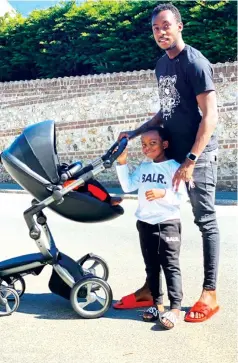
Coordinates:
(155,121)
(208,105)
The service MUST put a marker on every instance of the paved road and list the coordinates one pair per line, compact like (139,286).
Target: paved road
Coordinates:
(46,329)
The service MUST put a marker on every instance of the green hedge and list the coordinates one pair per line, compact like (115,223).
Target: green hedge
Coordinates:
(107,36)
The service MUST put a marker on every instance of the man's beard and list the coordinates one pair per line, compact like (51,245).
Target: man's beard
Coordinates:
(172,46)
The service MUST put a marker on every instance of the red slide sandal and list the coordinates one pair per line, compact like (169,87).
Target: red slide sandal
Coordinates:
(200,307)
(129,302)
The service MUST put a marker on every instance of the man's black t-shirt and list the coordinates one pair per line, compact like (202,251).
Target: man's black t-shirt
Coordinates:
(180,80)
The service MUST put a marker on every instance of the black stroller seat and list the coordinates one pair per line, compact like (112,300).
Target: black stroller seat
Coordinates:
(33,162)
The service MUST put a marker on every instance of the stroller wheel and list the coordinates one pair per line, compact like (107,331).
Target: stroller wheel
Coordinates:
(16,283)
(89,303)
(9,301)
(96,266)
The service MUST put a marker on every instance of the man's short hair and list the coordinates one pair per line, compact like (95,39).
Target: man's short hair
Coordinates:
(170,7)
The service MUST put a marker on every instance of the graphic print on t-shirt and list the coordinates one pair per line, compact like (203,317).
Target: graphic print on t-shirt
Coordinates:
(153,178)
(168,95)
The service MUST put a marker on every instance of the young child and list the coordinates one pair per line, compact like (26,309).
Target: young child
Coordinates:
(158,223)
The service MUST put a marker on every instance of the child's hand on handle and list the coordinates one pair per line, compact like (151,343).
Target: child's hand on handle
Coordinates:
(155,194)
(123,157)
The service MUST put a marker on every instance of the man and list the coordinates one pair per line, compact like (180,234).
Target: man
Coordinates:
(186,85)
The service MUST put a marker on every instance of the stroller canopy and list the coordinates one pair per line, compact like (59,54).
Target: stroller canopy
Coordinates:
(32,161)
(36,148)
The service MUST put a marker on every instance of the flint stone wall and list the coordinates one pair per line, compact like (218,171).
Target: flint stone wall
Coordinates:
(90,111)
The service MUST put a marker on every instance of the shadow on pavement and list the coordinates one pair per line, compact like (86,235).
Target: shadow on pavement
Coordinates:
(52,307)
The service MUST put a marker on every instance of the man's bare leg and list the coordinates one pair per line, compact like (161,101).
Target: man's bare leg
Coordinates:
(209,298)
(143,294)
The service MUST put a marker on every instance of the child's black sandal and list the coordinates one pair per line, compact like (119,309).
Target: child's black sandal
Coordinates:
(151,314)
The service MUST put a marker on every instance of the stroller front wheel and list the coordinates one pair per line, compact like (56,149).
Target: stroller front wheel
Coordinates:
(95,265)
(16,283)
(88,302)
(9,301)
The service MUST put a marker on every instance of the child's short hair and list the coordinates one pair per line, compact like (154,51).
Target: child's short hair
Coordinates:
(161,131)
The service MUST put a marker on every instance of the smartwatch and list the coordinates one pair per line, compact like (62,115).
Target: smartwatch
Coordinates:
(192,157)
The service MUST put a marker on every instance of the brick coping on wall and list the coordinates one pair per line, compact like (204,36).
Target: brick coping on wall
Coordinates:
(21,93)
(219,68)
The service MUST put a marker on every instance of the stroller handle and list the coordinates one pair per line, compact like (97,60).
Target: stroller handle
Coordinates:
(116,150)
(76,171)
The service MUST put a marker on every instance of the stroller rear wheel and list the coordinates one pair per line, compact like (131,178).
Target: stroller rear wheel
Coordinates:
(95,265)
(16,283)
(91,297)
(9,301)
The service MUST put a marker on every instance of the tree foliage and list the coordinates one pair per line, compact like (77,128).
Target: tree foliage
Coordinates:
(107,36)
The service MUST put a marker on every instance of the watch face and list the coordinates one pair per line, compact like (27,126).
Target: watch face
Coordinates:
(192,157)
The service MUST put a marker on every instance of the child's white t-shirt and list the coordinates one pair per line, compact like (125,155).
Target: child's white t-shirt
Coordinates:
(150,175)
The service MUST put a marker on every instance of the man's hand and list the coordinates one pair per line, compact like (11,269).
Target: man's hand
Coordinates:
(155,194)
(155,121)
(184,173)
(126,134)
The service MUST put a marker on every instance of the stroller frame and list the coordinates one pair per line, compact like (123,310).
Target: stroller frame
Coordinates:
(69,279)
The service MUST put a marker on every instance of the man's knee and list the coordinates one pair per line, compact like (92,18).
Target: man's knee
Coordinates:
(206,222)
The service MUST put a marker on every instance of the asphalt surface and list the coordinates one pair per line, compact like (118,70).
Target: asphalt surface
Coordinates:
(46,329)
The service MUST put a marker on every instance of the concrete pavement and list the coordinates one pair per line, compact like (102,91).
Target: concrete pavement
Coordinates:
(45,328)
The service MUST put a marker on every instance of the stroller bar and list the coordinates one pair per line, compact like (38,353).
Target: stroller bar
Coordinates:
(94,170)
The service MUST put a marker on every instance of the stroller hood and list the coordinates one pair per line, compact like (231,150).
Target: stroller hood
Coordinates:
(36,149)
(32,161)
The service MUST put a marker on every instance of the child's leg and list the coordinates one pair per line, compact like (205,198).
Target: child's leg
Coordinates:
(170,243)
(143,295)
(149,240)
(150,255)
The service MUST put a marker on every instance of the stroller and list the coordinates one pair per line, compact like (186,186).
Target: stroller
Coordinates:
(32,161)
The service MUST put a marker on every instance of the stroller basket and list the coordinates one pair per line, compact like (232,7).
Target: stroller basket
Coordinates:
(32,161)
